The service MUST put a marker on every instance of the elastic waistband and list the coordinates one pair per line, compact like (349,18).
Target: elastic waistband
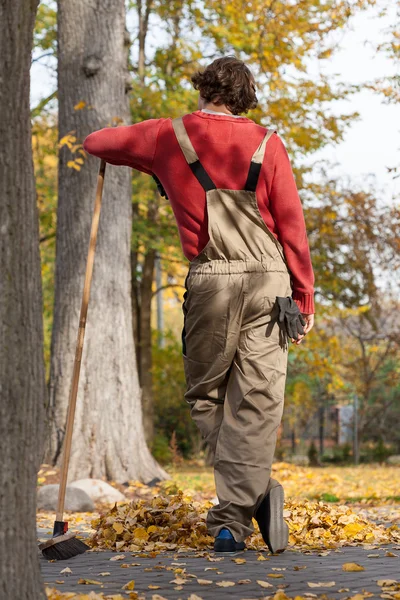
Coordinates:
(222,267)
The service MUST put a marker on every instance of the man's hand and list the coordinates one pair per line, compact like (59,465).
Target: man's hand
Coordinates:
(309,319)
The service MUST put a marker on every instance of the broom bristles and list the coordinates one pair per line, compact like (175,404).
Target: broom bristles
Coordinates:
(63,547)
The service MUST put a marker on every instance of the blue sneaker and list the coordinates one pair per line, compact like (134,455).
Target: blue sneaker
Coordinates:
(225,542)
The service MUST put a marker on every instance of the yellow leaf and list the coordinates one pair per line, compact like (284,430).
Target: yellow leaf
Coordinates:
(119,528)
(320,584)
(89,582)
(264,584)
(352,529)
(140,533)
(72,165)
(386,582)
(129,586)
(153,587)
(242,581)
(275,575)
(80,105)
(239,561)
(204,581)
(225,584)
(352,567)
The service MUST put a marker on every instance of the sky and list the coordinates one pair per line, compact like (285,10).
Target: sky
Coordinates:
(373,142)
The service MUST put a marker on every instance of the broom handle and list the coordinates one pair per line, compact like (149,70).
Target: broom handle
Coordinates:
(79,343)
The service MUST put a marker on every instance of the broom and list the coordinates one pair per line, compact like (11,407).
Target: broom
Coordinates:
(65,545)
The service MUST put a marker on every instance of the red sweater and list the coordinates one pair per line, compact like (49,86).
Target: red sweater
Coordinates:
(225,146)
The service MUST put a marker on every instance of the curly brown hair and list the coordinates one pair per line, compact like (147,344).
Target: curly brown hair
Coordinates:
(228,81)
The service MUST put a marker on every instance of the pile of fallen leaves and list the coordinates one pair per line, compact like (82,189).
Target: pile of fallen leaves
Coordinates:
(321,525)
(171,522)
(164,523)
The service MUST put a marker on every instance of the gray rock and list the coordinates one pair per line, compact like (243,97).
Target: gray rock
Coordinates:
(99,491)
(76,500)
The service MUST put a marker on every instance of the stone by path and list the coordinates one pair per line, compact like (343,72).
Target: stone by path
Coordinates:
(295,568)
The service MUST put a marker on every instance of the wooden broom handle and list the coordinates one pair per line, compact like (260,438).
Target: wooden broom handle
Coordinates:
(79,343)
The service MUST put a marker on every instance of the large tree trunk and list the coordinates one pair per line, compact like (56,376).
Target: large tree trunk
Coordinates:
(22,379)
(108,437)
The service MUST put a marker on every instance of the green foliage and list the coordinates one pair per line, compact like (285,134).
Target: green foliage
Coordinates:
(172,413)
(45,32)
(161,449)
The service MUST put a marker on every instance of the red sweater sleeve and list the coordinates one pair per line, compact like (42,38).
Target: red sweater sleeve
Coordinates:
(131,146)
(287,211)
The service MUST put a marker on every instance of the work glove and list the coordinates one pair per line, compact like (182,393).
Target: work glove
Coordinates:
(290,316)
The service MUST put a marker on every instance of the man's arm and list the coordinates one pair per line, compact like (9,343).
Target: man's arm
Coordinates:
(287,211)
(131,146)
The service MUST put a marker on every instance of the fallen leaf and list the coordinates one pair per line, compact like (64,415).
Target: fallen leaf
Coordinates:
(296,568)
(386,582)
(66,571)
(239,561)
(129,586)
(226,583)
(262,557)
(118,527)
(89,582)
(118,557)
(193,597)
(242,581)
(352,567)
(391,554)
(275,575)
(373,555)
(204,581)
(264,584)
(153,587)
(104,574)
(179,581)
(321,584)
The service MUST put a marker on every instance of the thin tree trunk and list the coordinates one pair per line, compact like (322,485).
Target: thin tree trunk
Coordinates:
(22,378)
(108,437)
(146,378)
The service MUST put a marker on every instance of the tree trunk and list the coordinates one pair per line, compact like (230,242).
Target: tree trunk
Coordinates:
(22,379)
(146,361)
(92,81)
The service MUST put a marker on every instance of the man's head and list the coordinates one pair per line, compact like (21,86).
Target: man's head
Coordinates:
(226,81)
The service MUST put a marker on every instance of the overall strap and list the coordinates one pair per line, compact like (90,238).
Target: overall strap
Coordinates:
(190,154)
(256,163)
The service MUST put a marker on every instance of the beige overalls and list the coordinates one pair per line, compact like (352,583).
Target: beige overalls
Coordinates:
(234,351)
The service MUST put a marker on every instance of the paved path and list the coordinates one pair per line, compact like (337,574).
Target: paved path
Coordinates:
(296,568)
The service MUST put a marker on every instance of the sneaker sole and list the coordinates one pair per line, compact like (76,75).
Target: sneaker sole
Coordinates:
(273,528)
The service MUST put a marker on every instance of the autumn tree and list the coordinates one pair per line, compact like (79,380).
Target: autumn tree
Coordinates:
(22,380)
(93,84)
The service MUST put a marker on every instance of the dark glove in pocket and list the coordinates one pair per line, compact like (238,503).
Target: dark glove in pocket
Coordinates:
(290,316)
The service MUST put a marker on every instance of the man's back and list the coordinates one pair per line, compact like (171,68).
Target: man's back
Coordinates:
(225,145)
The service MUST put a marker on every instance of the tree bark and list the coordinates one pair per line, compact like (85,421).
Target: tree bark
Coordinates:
(22,378)
(108,436)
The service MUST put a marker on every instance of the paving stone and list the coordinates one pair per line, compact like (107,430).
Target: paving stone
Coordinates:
(294,582)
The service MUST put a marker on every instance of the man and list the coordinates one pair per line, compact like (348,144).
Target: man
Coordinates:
(249,285)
